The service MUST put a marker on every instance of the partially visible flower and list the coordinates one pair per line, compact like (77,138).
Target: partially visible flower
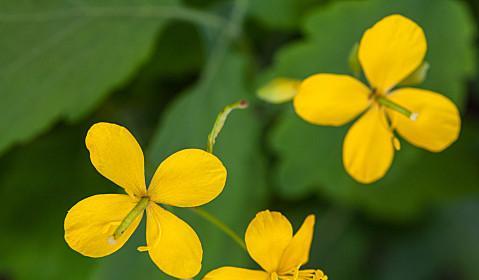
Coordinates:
(101,224)
(279,90)
(270,242)
(389,52)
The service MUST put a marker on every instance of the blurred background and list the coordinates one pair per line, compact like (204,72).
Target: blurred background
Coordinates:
(165,68)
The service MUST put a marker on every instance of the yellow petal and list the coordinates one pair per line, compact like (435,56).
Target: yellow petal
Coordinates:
(90,224)
(279,90)
(368,148)
(297,252)
(172,244)
(234,273)
(267,236)
(437,121)
(116,155)
(329,99)
(391,50)
(188,178)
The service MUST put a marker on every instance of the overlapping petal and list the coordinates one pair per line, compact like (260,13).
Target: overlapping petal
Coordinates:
(330,99)
(172,244)
(116,154)
(267,236)
(391,50)
(368,147)
(234,273)
(90,224)
(437,121)
(297,252)
(188,178)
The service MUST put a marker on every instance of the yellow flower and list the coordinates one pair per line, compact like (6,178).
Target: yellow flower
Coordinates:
(101,224)
(270,242)
(388,52)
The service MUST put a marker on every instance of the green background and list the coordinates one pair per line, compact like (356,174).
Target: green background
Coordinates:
(165,68)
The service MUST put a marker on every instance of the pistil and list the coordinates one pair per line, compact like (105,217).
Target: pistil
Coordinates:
(396,107)
(132,215)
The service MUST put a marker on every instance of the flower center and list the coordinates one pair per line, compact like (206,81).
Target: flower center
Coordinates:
(132,215)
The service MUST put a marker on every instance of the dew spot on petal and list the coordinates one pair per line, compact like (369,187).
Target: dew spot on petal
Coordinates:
(111,240)
(413,116)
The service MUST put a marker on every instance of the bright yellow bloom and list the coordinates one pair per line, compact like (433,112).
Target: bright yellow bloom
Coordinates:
(388,52)
(101,224)
(270,242)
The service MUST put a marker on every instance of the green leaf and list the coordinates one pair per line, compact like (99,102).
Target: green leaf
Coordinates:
(60,58)
(38,184)
(446,246)
(186,124)
(179,52)
(281,14)
(310,156)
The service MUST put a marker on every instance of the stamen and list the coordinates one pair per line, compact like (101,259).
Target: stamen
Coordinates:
(142,248)
(135,212)
(396,144)
(307,274)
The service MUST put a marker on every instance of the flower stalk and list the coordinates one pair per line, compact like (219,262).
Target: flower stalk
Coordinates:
(220,122)
(215,131)
(220,225)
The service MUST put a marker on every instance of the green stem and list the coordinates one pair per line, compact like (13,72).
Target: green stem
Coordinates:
(137,210)
(220,225)
(231,30)
(220,122)
(396,107)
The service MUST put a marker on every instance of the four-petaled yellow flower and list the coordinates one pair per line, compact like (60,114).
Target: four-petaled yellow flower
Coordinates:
(101,224)
(270,242)
(388,53)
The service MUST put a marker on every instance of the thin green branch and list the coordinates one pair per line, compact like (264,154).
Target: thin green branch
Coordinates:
(220,225)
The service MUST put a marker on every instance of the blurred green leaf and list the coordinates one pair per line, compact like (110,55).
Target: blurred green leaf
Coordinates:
(60,58)
(179,51)
(38,184)
(310,156)
(281,14)
(445,247)
(187,124)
